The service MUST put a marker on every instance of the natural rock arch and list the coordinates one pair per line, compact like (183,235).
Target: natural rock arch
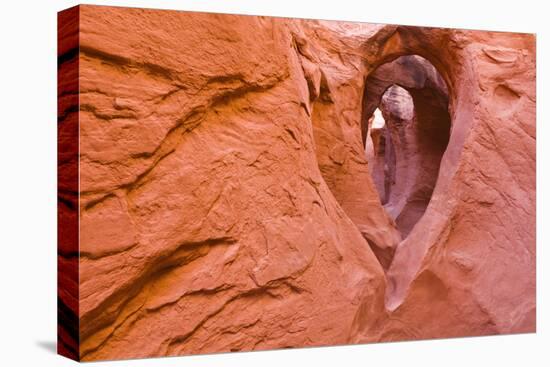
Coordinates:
(414,101)
(344,171)
(457,75)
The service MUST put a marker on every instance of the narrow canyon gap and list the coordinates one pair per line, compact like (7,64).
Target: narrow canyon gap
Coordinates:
(404,154)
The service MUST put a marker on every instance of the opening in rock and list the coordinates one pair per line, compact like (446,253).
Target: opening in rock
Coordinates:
(406,128)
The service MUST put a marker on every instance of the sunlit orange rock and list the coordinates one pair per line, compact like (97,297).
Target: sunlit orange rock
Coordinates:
(225,201)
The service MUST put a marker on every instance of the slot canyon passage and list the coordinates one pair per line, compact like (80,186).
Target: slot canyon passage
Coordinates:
(406,135)
(250,183)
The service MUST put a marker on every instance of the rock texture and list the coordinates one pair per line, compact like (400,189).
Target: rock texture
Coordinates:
(67,187)
(225,198)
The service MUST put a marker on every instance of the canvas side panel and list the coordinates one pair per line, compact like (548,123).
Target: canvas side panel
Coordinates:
(67,186)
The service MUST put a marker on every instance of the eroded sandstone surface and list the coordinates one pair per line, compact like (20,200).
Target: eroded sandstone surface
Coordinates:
(227,203)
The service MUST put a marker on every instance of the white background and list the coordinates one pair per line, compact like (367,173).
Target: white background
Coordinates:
(28,182)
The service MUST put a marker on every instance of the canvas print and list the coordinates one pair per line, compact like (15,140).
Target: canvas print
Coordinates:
(241,183)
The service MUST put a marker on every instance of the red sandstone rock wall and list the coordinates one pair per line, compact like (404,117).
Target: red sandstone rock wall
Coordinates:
(225,196)
(67,188)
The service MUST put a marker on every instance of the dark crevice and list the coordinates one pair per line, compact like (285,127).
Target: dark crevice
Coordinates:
(67,56)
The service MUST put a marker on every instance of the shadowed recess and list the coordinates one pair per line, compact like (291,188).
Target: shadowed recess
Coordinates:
(406,136)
